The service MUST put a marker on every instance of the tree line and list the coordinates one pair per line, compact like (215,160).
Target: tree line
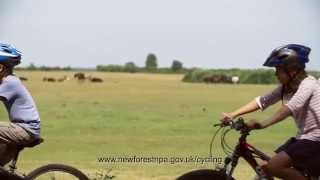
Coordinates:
(246,76)
(151,65)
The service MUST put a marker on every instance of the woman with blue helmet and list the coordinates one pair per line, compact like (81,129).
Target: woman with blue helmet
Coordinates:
(24,125)
(300,96)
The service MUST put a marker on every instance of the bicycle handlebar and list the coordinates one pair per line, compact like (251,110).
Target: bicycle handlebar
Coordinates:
(238,125)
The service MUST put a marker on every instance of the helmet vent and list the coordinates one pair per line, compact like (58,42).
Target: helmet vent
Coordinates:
(7,50)
(283,56)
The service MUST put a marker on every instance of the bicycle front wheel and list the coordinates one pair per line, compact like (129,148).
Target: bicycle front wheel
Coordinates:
(203,174)
(56,172)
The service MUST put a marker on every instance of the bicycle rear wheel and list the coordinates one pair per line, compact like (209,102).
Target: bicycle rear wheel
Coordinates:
(203,174)
(56,172)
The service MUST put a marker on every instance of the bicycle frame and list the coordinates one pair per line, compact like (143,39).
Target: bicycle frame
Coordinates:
(242,149)
(38,172)
(247,152)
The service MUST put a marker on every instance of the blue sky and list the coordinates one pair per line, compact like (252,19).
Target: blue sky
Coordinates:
(205,33)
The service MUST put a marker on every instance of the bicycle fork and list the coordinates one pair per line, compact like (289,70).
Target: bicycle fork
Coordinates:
(230,164)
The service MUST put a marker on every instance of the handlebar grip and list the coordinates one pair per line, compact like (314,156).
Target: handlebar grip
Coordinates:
(238,124)
(223,124)
(215,125)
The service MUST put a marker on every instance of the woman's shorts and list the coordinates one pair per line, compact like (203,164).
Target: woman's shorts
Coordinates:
(305,155)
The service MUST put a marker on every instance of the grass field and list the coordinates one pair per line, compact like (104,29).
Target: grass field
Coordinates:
(142,115)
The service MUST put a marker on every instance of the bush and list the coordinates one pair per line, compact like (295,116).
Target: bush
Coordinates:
(195,75)
(151,62)
(110,68)
(130,67)
(259,76)
(176,66)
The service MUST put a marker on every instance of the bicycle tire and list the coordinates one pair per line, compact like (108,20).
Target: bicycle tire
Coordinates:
(56,168)
(203,174)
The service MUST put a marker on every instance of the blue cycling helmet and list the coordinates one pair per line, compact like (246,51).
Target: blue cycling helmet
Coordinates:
(9,56)
(289,56)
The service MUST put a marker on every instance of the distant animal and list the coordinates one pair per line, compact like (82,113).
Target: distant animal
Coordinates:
(95,79)
(235,79)
(79,76)
(217,79)
(64,78)
(23,78)
(49,79)
(209,79)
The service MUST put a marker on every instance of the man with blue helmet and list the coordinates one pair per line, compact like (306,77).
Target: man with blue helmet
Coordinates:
(300,96)
(24,125)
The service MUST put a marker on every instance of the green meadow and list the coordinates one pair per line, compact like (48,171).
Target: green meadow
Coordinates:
(138,115)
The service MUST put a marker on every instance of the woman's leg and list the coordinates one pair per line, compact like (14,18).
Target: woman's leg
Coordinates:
(280,166)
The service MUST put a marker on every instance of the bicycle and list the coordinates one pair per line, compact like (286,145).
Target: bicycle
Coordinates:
(46,172)
(242,149)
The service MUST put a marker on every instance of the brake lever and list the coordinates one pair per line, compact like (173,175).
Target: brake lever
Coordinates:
(224,124)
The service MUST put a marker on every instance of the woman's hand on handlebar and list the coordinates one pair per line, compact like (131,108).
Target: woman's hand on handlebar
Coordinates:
(226,117)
